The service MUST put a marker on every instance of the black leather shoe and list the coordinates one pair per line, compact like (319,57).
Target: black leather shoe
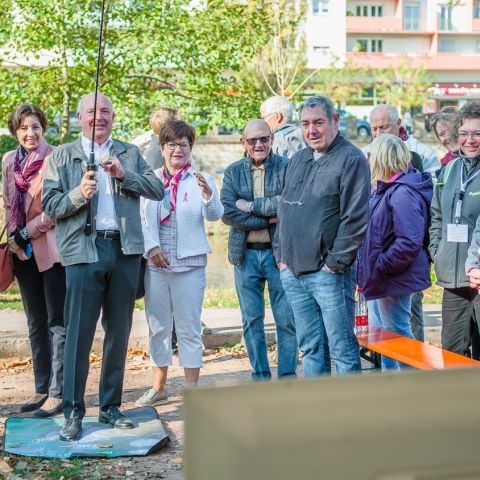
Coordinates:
(115,417)
(71,430)
(49,412)
(36,402)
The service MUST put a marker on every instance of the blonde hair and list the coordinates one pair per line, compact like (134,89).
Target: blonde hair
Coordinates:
(161,117)
(389,155)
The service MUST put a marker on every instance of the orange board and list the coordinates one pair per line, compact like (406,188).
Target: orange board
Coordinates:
(412,352)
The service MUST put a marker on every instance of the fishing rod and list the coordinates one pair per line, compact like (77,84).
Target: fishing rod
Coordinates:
(91,165)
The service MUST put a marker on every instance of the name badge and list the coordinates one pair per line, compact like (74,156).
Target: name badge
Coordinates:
(457,233)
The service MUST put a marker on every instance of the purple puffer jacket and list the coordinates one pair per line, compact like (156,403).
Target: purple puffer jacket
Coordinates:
(392,260)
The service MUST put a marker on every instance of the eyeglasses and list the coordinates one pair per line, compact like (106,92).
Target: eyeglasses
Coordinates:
(183,146)
(253,141)
(466,135)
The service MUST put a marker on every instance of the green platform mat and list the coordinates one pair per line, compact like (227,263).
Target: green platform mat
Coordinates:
(38,437)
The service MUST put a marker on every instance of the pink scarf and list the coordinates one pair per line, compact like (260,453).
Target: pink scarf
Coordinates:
(403,134)
(25,167)
(171,183)
(448,157)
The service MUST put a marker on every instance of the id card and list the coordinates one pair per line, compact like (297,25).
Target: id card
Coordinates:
(457,233)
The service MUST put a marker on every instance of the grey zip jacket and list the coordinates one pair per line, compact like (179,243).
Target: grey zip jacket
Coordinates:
(473,257)
(323,209)
(63,201)
(450,257)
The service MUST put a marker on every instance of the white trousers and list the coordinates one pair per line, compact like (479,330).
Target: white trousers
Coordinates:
(179,296)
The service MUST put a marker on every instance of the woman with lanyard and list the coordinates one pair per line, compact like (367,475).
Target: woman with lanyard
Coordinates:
(455,209)
(176,248)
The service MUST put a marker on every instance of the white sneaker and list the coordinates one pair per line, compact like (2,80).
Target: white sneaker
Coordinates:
(151,398)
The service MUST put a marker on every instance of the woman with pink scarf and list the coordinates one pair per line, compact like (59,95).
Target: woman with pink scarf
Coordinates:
(176,247)
(36,264)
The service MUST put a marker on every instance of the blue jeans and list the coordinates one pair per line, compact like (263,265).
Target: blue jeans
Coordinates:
(323,307)
(416,316)
(392,314)
(257,268)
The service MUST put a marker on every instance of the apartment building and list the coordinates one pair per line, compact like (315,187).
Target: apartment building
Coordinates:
(441,35)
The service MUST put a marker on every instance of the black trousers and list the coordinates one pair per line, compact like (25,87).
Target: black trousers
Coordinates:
(460,317)
(108,285)
(43,297)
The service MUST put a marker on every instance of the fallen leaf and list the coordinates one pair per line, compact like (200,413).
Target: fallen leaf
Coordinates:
(5,468)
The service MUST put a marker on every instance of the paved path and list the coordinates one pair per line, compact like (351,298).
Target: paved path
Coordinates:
(221,326)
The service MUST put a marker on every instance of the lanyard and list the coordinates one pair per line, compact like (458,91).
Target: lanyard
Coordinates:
(461,193)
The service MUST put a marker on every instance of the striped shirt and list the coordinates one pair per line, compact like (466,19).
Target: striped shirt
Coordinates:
(168,242)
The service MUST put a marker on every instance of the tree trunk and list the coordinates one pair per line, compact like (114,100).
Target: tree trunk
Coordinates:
(65,121)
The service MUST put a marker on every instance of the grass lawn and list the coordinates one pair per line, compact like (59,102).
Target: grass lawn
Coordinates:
(214,298)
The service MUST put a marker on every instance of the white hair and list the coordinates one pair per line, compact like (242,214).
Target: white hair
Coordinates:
(390,109)
(277,104)
(84,97)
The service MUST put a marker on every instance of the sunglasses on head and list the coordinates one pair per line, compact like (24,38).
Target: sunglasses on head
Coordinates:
(253,141)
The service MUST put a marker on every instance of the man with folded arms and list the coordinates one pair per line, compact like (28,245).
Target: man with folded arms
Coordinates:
(251,188)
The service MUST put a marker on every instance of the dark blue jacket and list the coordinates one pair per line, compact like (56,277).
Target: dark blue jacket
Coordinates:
(393,260)
(238,183)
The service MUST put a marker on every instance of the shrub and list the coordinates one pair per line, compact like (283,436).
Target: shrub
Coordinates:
(7,143)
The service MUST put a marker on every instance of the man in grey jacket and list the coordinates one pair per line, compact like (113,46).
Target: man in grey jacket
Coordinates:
(251,188)
(287,138)
(323,214)
(102,265)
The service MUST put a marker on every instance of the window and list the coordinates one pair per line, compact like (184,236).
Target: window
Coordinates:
(369,11)
(376,46)
(320,7)
(446,17)
(476,8)
(411,16)
(368,45)
(361,46)
(446,45)
(477,46)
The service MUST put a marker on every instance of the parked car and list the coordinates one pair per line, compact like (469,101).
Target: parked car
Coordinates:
(361,128)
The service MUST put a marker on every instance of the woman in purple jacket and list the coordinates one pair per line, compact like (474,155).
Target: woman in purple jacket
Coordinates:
(393,262)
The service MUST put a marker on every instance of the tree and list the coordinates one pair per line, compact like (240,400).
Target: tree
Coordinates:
(404,86)
(340,82)
(282,61)
(155,52)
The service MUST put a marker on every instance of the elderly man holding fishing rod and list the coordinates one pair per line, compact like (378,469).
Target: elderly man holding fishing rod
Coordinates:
(99,237)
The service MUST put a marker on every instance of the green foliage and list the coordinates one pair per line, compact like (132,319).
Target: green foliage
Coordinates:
(340,82)
(404,86)
(7,143)
(165,52)
(282,62)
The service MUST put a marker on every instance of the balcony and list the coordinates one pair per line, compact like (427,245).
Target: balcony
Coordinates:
(380,25)
(375,25)
(437,62)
